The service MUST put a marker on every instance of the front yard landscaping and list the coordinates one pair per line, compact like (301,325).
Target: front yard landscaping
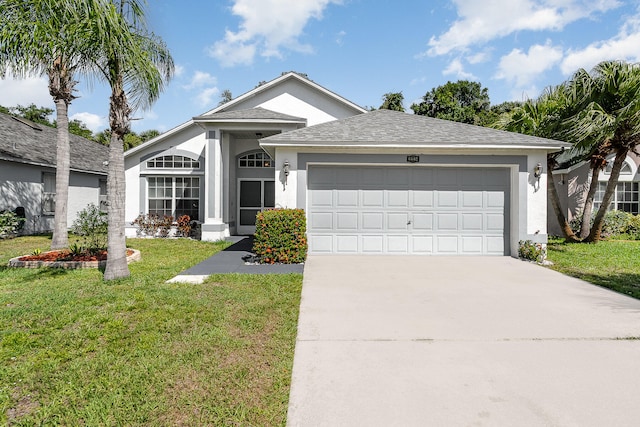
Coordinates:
(613,264)
(75,350)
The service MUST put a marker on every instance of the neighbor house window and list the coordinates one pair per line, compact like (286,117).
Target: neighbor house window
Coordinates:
(625,198)
(174,196)
(102,197)
(259,159)
(173,162)
(48,193)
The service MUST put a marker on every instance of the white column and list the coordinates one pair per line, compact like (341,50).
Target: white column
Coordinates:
(214,227)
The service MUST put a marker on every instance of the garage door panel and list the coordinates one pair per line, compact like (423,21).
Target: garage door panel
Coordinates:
(373,221)
(422,198)
(372,243)
(446,221)
(347,221)
(321,198)
(398,244)
(398,221)
(347,198)
(372,198)
(420,210)
(347,243)
(422,221)
(472,221)
(321,221)
(447,199)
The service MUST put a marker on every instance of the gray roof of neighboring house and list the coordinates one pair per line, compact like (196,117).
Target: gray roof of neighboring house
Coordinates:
(385,128)
(23,141)
(257,113)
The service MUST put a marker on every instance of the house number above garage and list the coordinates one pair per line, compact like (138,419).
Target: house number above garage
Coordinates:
(413,159)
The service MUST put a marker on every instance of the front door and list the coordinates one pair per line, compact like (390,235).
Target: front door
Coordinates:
(254,195)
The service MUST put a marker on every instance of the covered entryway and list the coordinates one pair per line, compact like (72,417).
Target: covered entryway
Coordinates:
(408,210)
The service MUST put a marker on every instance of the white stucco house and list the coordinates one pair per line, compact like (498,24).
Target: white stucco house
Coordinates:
(28,172)
(380,182)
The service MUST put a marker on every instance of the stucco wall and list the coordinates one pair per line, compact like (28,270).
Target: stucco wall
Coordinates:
(21,185)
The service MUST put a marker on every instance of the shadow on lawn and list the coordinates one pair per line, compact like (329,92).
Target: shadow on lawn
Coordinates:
(36,273)
(626,284)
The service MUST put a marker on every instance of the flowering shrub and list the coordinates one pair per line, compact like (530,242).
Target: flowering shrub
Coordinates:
(160,226)
(281,236)
(92,224)
(531,251)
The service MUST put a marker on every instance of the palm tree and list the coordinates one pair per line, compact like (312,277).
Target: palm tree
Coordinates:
(46,37)
(544,117)
(608,118)
(136,64)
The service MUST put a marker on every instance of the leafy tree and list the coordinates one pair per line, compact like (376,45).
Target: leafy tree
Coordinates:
(46,37)
(392,101)
(77,127)
(148,134)
(225,97)
(36,114)
(463,101)
(135,64)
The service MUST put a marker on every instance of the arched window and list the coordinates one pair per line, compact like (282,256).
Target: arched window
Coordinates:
(173,162)
(626,169)
(257,159)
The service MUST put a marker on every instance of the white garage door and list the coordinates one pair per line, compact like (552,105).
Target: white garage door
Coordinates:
(408,210)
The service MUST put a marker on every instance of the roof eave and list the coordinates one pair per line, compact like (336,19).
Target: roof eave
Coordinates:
(369,145)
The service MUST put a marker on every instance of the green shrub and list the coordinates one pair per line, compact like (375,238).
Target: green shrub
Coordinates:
(10,224)
(633,229)
(615,223)
(531,251)
(281,236)
(92,224)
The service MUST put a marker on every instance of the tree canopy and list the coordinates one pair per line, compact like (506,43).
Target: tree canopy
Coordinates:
(462,101)
(393,101)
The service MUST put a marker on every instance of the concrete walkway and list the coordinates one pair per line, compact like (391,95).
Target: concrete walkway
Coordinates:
(231,260)
(461,341)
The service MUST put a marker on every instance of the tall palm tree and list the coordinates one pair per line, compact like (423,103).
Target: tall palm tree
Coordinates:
(544,117)
(136,64)
(608,117)
(47,37)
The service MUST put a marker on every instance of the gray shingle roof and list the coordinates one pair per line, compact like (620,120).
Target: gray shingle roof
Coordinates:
(21,141)
(257,113)
(386,128)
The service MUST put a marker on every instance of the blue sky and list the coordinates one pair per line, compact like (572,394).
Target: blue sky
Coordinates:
(362,49)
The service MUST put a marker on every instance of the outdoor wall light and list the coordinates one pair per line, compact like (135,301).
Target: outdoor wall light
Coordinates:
(285,170)
(537,170)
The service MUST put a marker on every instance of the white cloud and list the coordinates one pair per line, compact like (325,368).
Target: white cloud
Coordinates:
(523,68)
(340,37)
(624,46)
(34,90)
(93,121)
(178,70)
(481,21)
(200,79)
(267,27)
(457,69)
(205,96)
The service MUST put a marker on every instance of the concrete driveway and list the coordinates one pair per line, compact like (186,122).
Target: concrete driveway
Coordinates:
(461,341)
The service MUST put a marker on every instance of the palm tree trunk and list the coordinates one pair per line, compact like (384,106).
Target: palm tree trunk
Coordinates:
(565,228)
(596,229)
(60,237)
(588,204)
(117,267)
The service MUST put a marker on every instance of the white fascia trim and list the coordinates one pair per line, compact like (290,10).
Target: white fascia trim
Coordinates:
(157,139)
(245,121)
(274,82)
(407,146)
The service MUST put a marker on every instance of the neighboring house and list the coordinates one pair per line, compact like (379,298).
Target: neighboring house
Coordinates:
(572,183)
(370,182)
(28,172)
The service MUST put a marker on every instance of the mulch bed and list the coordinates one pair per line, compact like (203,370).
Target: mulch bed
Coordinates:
(66,255)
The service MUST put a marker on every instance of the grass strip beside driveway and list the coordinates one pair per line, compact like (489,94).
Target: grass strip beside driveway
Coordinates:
(78,351)
(613,264)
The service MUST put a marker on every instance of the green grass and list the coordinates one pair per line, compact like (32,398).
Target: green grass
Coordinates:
(75,350)
(613,264)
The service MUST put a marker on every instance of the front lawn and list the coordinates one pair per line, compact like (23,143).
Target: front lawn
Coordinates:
(75,350)
(613,264)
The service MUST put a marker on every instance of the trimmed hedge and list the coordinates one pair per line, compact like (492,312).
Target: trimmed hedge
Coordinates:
(281,236)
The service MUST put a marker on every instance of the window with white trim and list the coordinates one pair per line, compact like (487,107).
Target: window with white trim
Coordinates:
(174,196)
(173,162)
(625,170)
(258,159)
(48,193)
(625,198)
